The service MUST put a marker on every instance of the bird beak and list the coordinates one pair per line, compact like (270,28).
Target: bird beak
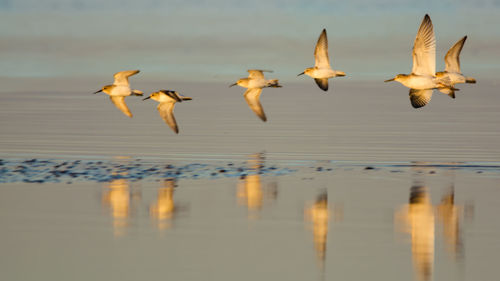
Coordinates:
(389,80)
(233,85)
(300,74)
(146,98)
(98,91)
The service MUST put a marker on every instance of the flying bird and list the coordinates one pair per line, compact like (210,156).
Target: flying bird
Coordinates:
(422,79)
(254,84)
(322,70)
(452,69)
(121,89)
(167,100)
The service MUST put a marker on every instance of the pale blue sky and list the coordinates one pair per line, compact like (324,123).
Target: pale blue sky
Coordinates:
(213,40)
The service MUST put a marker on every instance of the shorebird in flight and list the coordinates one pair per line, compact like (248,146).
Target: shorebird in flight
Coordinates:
(254,84)
(167,100)
(322,70)
(422,79)
(121,89)
(452,69)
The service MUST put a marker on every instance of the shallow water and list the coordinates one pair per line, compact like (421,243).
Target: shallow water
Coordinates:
(344,221)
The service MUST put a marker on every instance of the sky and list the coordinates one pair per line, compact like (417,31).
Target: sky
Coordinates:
(219,40)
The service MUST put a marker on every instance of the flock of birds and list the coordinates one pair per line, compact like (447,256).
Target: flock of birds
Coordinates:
(422,80)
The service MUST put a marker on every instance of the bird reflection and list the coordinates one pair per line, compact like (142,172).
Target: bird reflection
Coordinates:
(117,198)
(417,219)
(164,209)
(250,192)
(319,214)
(449,216)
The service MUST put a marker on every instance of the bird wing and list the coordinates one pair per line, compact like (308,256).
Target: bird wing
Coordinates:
(119,102)
(257,73)
(121,78)
(322,83)
(419,98)
(166,110)
(321,51)
(175,96)
(252,97)
(172,94)
(452,58)
(424,49)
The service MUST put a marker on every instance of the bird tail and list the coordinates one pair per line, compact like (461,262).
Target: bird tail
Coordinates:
(450,91)
(470,80)
(137,93)
(274,83)
(186,98)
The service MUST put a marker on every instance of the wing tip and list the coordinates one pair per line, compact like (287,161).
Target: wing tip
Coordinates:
(174,127)
(323,33)
(427,20)
(417,103)
(322,84)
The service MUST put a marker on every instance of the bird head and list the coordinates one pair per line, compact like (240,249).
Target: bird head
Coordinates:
(237,83)
(440,74)
(398,78)
(107,89)
(307,71)
(154,96)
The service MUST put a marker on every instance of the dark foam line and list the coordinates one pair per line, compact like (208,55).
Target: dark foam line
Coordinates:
(38,170)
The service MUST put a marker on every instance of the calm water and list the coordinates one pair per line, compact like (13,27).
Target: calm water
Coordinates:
(354,121)
(324,221)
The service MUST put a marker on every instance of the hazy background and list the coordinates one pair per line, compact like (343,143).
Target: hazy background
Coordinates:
(218,40)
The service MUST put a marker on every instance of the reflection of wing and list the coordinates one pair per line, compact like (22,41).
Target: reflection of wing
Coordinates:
(257,73)
(322,83)
(119,102)
(420,98)
(252,97)
(452,58)
(321,51)
(121,78)
(166,110)
(424,49)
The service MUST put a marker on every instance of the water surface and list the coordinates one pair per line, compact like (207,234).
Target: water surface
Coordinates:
(351,222)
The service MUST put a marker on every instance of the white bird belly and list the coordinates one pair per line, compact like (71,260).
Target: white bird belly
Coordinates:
(322,73)
(121,91)
(420,82)
(257,83)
